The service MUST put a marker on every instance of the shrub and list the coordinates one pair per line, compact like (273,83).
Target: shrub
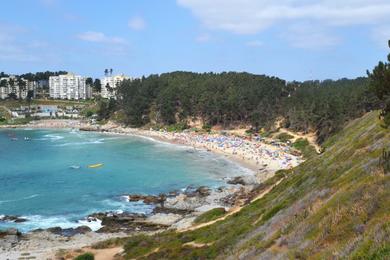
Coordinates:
(207,127)
(304,146)
(284,137)
(210,215)
(177,127)
(386,119)
(89,113)
(384,161)
(86,256)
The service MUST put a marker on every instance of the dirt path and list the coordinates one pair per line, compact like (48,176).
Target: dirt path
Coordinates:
(99,254)
(311,137)
(233,210)
(107,254)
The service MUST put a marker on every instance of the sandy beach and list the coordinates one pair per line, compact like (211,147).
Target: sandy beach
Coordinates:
(264,157)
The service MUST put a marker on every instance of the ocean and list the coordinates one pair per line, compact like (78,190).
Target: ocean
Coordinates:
(45,178)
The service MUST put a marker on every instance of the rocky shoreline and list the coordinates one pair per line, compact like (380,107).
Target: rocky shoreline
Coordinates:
(173,210)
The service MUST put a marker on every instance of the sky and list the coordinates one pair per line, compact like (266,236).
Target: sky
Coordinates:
(290,39)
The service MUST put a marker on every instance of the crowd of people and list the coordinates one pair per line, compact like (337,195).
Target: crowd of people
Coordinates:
(255,151)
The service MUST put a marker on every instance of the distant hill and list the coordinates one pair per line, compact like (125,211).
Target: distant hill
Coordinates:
(334,205)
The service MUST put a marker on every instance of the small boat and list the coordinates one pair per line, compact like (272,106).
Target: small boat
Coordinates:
(27,139)
(98,165)
(75,167)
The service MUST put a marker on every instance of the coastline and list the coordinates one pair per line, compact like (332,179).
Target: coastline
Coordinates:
(179,210)
(266,162)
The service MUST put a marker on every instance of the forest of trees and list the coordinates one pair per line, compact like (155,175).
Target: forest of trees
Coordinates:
(41,75)
(380,85)
(229,99)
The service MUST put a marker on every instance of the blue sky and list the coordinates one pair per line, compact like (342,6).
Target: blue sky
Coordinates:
(291,39)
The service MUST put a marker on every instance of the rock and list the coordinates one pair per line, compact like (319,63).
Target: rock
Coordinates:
(10,232)
(243,180)
(164,219)
(69,232)
(236,181)
(125,222)
(9,238)
(203,191)
(166,210)
(147,199)
(15,219)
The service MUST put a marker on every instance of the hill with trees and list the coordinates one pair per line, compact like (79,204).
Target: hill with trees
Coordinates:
(231,99)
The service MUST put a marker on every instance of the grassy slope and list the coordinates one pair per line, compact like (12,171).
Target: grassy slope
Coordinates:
(336,204)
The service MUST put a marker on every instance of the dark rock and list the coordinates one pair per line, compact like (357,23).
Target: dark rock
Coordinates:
(165,210)
(237,180)
(69,232)
(147,199)
(203,191)
(126,222)
(172,194)
(15,219)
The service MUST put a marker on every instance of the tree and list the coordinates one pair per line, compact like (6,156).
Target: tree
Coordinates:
(3,83)
(380,84)
(30,96)
(97,86)
(89,81)
(11,84)
(106,72)
(22,86)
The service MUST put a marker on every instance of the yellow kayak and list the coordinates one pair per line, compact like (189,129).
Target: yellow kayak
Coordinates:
(98,165)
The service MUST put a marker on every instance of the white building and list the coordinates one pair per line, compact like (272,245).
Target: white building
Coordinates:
(109,85)
(69,86)
(17,86)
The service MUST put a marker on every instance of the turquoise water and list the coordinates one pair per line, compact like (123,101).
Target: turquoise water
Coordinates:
(47,180)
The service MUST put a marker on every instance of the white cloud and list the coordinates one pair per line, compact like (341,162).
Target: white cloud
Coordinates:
(381,35)
(137,23)
(253,16)
(255,44)
(100,37)
(309,37)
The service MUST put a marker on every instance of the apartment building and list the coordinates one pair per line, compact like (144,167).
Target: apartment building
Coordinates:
(16,87)
(69,86)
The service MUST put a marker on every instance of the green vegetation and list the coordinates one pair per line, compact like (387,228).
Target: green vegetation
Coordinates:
(380,84)
(16,121)
(85,256)
(284,137)
(210,215)
(177,127)
(227,99)
(17,103)
(334,205)
(384,161)
(304,147)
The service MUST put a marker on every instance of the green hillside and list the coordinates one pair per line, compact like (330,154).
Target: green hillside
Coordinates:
(335,205)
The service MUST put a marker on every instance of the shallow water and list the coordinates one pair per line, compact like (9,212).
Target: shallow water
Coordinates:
(47,180)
